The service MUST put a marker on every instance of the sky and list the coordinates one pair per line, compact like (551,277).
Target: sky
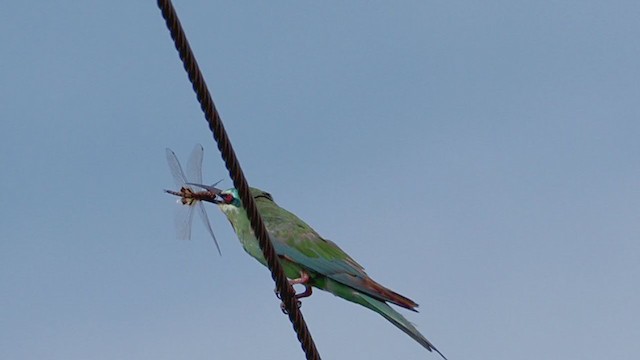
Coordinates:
(481,158)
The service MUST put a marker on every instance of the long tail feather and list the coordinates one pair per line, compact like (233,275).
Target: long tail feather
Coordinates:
(396,319)
(348,293)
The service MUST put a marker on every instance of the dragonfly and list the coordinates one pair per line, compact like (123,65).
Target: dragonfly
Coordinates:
(193,200)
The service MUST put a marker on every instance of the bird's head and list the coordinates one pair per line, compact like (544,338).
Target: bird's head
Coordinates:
(231,197)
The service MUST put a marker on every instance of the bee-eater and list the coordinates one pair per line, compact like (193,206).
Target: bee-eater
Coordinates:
(312,261)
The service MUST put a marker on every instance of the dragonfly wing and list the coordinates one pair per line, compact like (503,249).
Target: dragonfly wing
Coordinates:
(175,168)
(194,166)
(205,221)
(183,219)
(210,188)
(184,215)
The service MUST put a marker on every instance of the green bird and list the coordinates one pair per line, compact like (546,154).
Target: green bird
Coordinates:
(312,261)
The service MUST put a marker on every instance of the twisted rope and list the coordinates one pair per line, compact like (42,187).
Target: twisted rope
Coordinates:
(285,290)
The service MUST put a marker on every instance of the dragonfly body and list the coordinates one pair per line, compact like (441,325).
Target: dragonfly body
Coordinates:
(190,198)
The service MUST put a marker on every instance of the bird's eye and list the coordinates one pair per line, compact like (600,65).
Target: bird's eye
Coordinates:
(227,198)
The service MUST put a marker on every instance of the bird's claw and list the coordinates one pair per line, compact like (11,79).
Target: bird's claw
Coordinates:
(284,309)
(302,280)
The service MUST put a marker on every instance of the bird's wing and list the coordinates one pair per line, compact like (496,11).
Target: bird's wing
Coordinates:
(296,240)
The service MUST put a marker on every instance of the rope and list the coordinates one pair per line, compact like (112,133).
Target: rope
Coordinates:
(284,289)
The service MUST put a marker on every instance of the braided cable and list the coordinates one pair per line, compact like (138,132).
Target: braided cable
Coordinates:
(284,289)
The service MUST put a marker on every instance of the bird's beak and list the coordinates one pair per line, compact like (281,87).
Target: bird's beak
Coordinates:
(211,189)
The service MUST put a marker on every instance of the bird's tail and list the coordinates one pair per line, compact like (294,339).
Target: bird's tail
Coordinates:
(395,318)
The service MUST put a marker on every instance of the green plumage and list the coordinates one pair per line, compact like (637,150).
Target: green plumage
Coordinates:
(300,249)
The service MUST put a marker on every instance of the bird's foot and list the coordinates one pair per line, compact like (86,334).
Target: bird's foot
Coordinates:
(308,290)
(302,280)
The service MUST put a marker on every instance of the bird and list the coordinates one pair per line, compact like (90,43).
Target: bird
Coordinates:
(312,261)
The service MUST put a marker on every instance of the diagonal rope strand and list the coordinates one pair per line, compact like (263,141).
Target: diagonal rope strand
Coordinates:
(285,290)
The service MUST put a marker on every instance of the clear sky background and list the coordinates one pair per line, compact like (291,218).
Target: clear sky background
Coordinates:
(481,158)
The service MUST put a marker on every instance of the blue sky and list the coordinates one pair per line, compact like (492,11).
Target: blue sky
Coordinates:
(480,158)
